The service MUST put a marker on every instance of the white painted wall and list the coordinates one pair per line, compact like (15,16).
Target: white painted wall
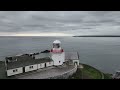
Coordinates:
(37,56)
(27,68)
(49,64)
(10,72)
(58,57)
(76,61)
(41,65)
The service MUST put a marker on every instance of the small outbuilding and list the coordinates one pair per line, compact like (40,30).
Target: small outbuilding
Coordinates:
(72,57)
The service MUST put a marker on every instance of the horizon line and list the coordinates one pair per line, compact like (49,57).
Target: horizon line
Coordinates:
(33,36)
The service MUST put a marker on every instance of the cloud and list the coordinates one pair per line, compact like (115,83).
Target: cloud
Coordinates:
(59,22)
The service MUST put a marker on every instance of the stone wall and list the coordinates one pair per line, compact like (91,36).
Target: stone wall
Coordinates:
(66,74)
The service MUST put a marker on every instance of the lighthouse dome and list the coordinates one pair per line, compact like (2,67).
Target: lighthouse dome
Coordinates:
(56,41)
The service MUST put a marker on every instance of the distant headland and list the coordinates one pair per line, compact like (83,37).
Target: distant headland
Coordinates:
(97,36)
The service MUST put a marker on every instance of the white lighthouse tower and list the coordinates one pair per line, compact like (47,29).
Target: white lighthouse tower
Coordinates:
(57,53)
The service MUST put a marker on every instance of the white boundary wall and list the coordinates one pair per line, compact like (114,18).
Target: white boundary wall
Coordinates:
(41,65)
(66,74)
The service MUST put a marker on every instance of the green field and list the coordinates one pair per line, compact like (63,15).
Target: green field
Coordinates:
(89,72)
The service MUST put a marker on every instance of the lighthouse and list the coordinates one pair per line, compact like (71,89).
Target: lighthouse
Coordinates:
(57,53)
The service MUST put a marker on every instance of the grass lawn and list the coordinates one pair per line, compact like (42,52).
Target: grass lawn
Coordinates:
(87,72)
(107,76)
(91,72)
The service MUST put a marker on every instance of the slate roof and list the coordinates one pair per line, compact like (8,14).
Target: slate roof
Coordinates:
(43,55)
(25,60)
(71,56)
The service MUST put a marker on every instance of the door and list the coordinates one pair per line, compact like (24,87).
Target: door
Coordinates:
(23,69)
(75,63)
(45,65)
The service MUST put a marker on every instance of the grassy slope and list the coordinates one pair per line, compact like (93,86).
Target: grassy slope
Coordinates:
(2,71)
(89,72)
(107,76)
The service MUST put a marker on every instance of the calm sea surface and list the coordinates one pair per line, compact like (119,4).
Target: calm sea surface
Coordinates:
(100,52)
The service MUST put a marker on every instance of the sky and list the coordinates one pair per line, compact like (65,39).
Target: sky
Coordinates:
(59,23)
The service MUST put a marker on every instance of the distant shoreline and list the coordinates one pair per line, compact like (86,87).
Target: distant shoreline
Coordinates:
(98,36)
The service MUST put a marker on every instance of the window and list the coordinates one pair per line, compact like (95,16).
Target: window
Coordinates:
(59,61)
(56,45)
(49,62)
(15,70)
(31,67)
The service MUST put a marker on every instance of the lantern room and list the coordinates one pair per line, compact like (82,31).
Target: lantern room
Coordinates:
(57,47)
(56,44)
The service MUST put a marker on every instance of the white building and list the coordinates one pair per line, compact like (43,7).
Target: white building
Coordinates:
(57,53)
(31,67)
(72,56)
(14,71)
(26,64)
(30,62)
